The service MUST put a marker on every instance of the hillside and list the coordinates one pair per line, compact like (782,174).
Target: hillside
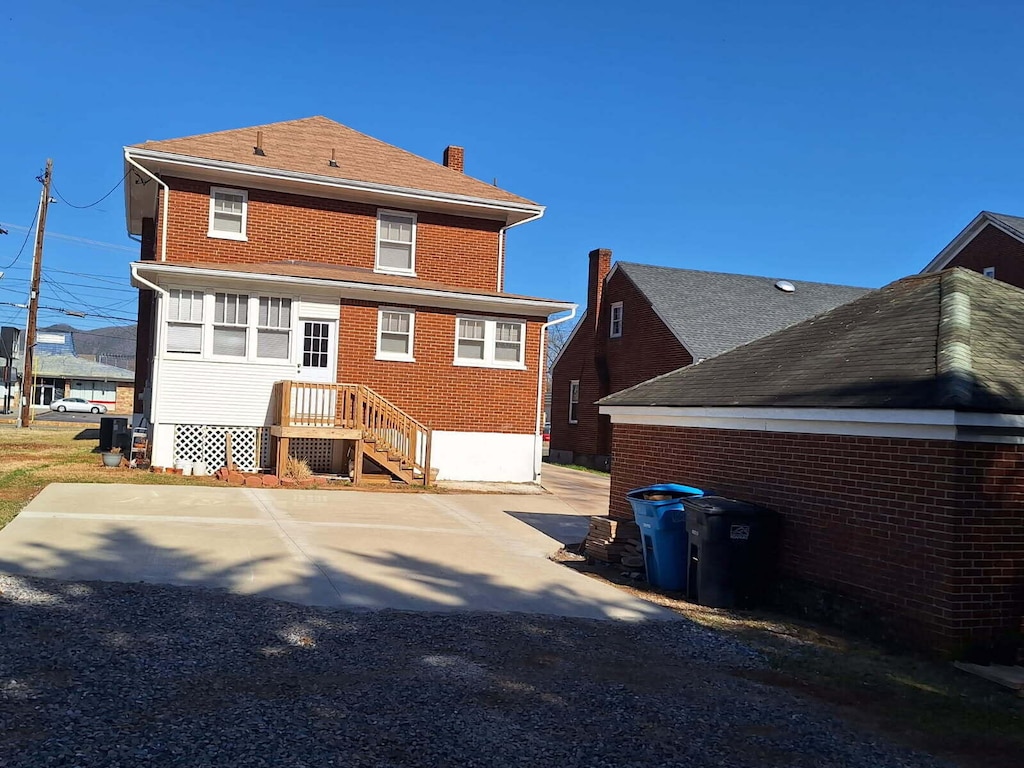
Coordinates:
(113,345)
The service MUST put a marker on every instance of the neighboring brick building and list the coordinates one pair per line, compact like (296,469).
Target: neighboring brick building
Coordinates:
(307,252)
(891,442)
(642,321)
(992,244)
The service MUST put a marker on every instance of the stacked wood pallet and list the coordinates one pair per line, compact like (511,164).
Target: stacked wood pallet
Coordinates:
(609,538)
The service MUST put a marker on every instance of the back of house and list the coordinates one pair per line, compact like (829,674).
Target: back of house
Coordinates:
(643,321)
(316,292)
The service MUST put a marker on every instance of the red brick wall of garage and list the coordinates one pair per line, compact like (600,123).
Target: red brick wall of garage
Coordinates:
(454,250)
(647,348)
(994,248)
(433,390)
(929,532)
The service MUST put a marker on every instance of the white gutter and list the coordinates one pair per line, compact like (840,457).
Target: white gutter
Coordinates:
(333,181)
(537,441)
(158,340)
(501,247)
(512,304)
(163,216)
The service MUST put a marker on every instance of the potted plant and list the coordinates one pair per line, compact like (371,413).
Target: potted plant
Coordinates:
(112,458)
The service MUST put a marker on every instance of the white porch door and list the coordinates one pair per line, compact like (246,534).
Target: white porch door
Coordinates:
(319,361)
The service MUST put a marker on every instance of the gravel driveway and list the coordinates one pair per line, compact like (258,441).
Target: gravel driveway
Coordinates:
(103,674)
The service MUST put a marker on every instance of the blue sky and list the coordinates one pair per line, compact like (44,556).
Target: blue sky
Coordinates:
(844,143)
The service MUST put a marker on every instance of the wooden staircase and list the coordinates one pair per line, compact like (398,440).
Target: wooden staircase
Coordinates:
(378,429)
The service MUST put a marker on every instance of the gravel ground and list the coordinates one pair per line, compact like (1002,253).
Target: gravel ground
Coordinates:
(98,674)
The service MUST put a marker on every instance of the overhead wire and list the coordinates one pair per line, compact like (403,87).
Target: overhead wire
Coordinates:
(28,233)
(93,204)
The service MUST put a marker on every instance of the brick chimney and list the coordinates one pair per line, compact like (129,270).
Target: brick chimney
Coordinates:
(600,264)
(455,158)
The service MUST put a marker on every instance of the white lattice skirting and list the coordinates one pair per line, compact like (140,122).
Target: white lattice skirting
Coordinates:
(316,451)
(250,446)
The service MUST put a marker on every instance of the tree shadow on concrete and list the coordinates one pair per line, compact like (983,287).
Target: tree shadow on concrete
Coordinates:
(565,529)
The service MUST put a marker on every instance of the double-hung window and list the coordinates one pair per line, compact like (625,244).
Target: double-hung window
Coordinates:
(394,334)
(230,324)
(490,343)
(274,328)
(396,242)
(185,321)
(574,401)
(228,213)
(615,324)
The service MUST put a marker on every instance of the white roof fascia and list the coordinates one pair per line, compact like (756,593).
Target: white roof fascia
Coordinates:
(368,291)
(965,237)
(334,182)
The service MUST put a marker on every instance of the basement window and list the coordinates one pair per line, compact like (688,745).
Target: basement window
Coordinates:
(574,401)
(615,326)
(396,242)
(228,213)
(394,334)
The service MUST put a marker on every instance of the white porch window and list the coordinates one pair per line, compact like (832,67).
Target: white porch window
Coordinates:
(574,401)
(185,321)
(615,326)
(274,328)
(230,324)
(395,334)
(396,242)
(228,213)
(490,343)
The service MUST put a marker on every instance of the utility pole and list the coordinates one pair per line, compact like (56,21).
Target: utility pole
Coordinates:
(27,376)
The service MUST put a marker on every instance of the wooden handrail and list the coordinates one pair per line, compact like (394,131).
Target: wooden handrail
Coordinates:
(356,406)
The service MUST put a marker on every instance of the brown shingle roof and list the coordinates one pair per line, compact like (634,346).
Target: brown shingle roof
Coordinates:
(304,146)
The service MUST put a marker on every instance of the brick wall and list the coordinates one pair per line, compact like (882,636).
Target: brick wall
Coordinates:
(125,399)
(457,251)
(647,348)
(994,248)
(433,390)
(928,532)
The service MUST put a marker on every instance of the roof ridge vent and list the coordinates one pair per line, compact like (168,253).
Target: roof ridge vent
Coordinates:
(785,286)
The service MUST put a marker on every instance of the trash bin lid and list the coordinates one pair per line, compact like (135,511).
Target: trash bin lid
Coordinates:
(719,505)
(665,491)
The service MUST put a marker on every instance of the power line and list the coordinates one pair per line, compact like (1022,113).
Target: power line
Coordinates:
(28,233)
(103,246)
(90,205)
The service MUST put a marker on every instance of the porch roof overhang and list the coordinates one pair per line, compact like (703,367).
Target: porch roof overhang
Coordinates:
(910,423)
(140,198)
(347,283)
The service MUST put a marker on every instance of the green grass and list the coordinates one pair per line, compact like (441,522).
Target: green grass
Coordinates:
(581,468)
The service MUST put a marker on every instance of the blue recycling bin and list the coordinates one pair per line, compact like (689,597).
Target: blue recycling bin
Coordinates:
(658,511)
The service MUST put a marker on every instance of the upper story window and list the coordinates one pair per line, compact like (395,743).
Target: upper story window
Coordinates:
(574,401)
(230,324)
(185,321)
(615,326)
(490,343)
(274,328)
(228,213)
(396,242)
(989,271)
(394,334)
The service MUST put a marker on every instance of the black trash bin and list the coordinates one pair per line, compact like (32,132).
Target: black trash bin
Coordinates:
(114,433)
(733,551)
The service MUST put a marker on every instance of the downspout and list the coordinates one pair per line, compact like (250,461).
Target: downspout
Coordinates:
(166,195)
(537,441)
(501,248)
(157,337)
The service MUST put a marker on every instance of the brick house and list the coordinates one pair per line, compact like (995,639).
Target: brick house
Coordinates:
(891,441)
(318,293)
(642,321)
(992,244)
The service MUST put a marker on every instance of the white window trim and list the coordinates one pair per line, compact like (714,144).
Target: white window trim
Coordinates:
(397,357)
(213,325)
(989,272)
(412,251)
(612,332)
(490,325)
(254,306)
(201,325)
(243,235)
(574,385)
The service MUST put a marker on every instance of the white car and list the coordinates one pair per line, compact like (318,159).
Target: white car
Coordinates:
(76,405)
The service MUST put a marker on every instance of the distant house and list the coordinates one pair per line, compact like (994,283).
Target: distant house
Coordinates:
(642,321)
(888,432)
(992,244)
(59,376)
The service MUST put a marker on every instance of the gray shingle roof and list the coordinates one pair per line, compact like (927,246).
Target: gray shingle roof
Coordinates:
(70,367)
(1015,223)
(944,340)
(711,312)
